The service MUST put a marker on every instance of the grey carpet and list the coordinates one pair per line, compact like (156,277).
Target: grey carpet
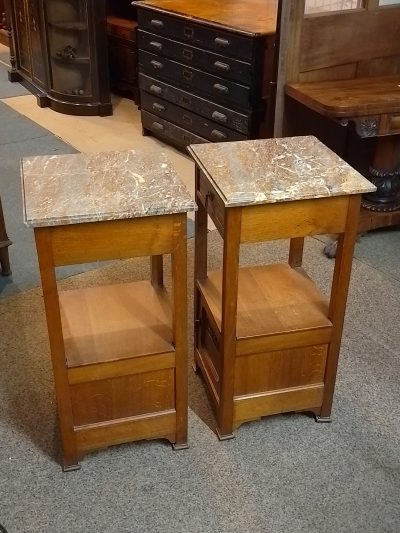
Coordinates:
(379,248)
(20,137)
(282,474)
(7,89)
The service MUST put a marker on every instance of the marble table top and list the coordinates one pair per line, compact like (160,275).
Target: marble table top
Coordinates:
(277,170)
(77,188)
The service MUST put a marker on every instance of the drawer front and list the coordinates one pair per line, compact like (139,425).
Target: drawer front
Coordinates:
(125,30)
(222,42)
(196,80)
(188,120)
(240,122)
(219,65)
(163,128)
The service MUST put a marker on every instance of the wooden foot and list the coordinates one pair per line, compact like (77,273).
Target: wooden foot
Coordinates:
(180,446)
(71,468)
(145,132)
(323,419)
(227,436)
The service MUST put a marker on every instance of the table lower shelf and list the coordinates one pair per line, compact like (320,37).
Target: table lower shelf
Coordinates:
(272,300)
(109,323)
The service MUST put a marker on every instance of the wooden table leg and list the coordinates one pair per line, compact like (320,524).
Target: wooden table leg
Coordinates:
(4,244)
(230,278)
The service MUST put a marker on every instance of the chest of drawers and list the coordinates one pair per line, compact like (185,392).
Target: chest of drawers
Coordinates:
(205,72)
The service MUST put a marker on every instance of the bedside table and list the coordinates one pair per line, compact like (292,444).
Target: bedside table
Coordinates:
(266,340)
(119,351)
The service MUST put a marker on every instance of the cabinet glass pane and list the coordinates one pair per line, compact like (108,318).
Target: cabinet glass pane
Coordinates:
(319,6)
(68,38)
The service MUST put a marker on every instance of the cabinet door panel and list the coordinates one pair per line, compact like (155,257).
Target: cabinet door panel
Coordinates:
(22,36)
(37,48)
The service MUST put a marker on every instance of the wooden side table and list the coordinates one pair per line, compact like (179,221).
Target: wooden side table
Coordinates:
(266,340)
(119,352)
(372,105)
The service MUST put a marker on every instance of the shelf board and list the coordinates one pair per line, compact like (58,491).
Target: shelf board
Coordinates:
(272,300)
(72,25)
(113,322)
(73,61)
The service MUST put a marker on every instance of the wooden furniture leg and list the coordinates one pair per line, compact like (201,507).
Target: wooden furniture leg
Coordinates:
(56,341)
(179,322)
(337,306)
(4,244)
(230,277)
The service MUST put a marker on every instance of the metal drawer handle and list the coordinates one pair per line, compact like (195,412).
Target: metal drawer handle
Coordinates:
(187,54)
(188,32)
(219,116)
(156,45)
(221,88)
(155,89)
(158,107)
(158,126)
(218,135)
(186,100)
(221,42)
(157,23)
(222,66)
(187,119)
(157,64)
(187,74)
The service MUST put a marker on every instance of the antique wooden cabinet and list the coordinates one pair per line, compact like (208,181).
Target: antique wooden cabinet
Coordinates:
(122,48)
(205,69)
(59,53)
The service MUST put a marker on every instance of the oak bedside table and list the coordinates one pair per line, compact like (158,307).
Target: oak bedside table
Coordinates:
(119,352)
(266,340)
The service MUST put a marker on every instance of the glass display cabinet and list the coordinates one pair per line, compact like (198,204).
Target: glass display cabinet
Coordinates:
(60,53)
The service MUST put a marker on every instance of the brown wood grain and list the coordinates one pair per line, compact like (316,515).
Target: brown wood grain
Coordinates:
(272,299)
(179,328)
(123,367)
(142,236)
(252,16)
(54,329)
(271,403)
(293,219)
(354,36)
(281,369)
(350,98)
(114,322)
(154,426)
(123,397)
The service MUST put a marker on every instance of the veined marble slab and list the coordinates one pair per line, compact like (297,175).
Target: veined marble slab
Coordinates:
(277,170)
(77,188)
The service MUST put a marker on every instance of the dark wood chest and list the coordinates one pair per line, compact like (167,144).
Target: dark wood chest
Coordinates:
(206,72)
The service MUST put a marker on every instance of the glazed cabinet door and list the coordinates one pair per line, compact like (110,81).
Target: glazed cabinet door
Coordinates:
(21,35)
(69,48)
